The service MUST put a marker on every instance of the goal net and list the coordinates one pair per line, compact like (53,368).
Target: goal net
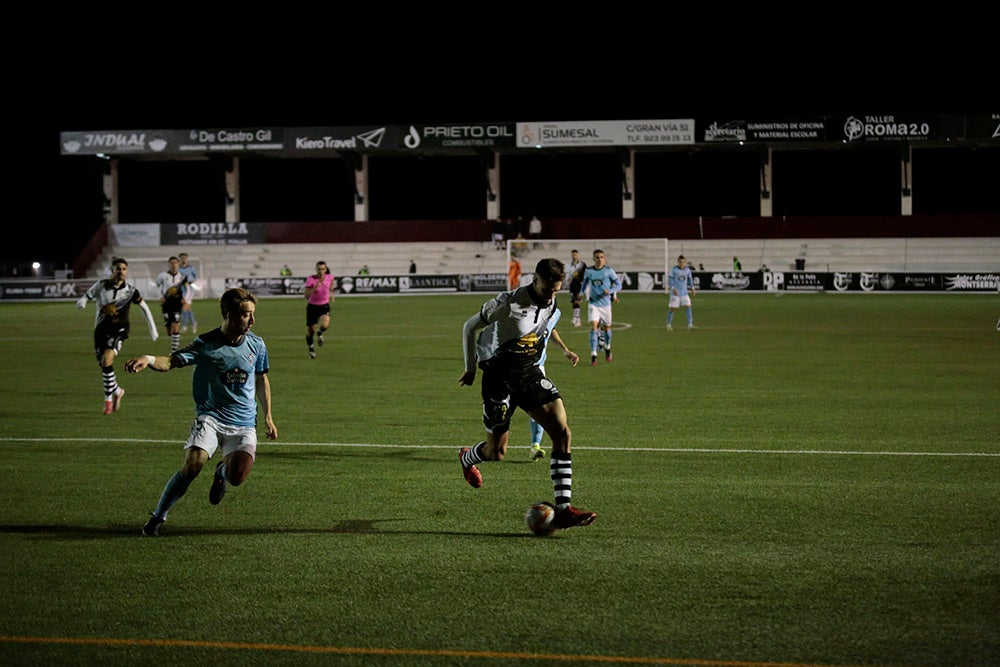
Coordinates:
(641,264)
(142,272)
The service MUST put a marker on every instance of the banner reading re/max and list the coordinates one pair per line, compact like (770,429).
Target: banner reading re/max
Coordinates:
(409,283)
(15,289)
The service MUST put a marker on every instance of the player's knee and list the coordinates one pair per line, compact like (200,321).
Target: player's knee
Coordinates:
(191,468)
(561,437)
(238,467)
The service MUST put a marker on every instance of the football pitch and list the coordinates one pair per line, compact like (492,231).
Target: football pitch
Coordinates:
(804,480)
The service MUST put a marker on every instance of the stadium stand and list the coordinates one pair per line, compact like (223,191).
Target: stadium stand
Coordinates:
(219,262)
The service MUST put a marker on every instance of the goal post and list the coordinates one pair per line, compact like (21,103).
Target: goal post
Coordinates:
(642,264)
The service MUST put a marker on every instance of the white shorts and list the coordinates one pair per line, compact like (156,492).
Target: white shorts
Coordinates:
(208,434)
(600,314)
(678,301)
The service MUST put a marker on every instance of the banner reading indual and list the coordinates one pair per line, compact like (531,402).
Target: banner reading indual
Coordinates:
(133,142)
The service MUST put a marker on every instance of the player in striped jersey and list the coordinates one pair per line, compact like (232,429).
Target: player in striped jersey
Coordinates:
(114,296)
(506,339)
(172,283)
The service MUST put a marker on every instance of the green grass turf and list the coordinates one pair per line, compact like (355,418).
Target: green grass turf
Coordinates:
(804,479)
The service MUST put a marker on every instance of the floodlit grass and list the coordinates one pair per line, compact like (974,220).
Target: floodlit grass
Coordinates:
(804,479)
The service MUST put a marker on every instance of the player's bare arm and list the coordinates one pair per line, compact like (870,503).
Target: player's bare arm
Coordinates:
(264,398)
(160,364)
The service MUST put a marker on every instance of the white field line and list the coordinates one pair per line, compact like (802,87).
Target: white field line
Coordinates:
(676,450)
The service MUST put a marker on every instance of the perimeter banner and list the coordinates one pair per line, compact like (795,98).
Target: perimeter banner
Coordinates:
(674,132)
(21,289)
(810,281)
(914,282)
(485,135)
(212,233)
(859,281)
(134,234)
(42,289)
(333,140)
(762,130)
(405,284)
(133,142)
(984,127)
(887,128)
(269,286)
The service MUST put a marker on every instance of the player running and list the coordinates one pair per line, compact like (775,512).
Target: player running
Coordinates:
(601,285)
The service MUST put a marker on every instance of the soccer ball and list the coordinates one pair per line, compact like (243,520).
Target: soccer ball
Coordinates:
(540,518)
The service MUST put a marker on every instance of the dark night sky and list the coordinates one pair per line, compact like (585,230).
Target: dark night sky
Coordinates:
(143,84)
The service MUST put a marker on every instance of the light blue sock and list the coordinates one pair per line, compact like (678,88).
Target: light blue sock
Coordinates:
(670,317)
(536,431)
(690,317)
(593,341)
(176,487)
(607,339)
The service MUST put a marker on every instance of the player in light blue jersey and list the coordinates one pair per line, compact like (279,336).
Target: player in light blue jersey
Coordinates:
(575,270)
(680,288)
(229,380)
(535,429)
(601,285)
(191,275)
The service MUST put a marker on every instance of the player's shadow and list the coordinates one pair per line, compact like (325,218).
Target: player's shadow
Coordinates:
(313,453)
(368,452)
(344,527)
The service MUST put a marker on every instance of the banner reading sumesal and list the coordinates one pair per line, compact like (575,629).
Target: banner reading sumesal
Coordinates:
(674,132)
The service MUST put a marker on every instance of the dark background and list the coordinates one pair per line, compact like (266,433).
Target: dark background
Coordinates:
(440,76)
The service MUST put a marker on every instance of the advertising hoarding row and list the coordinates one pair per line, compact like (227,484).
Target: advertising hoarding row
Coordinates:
(15,289)
(408,283)
(418,138)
